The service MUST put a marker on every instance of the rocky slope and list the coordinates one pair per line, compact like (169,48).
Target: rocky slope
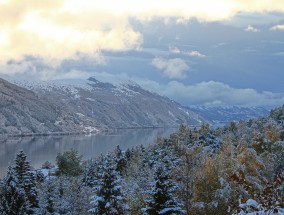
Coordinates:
(85,105)
(23,111)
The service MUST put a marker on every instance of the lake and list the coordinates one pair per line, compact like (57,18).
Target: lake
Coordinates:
(41,149)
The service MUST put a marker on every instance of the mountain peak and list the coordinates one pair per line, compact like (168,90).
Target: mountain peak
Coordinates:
(93,79)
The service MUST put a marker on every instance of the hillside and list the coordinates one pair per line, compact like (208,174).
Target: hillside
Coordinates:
(23,111)
(85,106)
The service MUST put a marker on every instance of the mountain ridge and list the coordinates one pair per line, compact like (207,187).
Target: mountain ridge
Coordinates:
(220,115)
(86,106)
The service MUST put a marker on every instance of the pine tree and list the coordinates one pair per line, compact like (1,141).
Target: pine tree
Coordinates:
(108,197)
(89,173)
(12,199)
(69,163)
(19,194)
(128,154)
(48,198)
(163,200)
(26,178)
(120,161)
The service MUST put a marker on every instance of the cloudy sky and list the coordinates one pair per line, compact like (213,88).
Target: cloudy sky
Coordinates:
(213,52)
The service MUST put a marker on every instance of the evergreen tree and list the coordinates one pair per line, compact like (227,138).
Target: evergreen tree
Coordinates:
(69,163)
(163,200)
(108,197)
(48,198)
(19,194)
(12,199)
(120,160)
(128,154)
(89,173)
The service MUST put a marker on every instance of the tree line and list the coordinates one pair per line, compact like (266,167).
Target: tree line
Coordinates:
(235,169)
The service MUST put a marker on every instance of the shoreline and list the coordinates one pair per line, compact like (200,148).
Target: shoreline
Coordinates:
(4,137)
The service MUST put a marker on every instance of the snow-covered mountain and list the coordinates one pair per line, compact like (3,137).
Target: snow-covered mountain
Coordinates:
(224,114)
(23,111)
(88,105)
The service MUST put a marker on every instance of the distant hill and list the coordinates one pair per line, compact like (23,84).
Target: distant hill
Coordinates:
(85,106)
(222,115)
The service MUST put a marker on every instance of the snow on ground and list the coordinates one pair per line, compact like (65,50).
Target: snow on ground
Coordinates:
(90,129)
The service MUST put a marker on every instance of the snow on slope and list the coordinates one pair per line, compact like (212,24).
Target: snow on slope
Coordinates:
(224,114)
(120,104)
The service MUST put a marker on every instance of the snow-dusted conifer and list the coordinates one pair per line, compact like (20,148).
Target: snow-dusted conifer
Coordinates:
(128,154)
(89,173)
(19,194)
(163,200)
(12,197)
(120,160)
(48,198)
(108,196)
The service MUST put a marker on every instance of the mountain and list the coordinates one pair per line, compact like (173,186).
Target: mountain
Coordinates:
(223,114)
(85,106)
(23,111)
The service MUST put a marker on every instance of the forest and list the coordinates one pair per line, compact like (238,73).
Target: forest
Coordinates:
(235,169)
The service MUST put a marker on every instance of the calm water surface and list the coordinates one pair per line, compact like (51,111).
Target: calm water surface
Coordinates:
(41,149)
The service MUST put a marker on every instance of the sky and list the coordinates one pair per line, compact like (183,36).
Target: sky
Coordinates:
(196,52)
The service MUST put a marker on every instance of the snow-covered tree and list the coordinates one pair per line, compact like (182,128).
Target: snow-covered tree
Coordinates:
(120,160)
(128,154)
(89,173)
(163,200)
(19,194)
(49,198)
(108,195)
(64,195)
(12,197)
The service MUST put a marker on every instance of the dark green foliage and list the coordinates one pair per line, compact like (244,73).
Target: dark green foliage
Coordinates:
(120,161)
(163,200)
(108,197)
(128,154)
(69,163)
(47,165)
(89,173)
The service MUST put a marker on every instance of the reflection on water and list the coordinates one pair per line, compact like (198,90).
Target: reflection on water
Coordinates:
(41,149)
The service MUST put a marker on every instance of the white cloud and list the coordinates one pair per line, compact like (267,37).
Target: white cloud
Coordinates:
(16,68)
(212,93)
(73,74)
(251,29)
(277,28)
(48,69)
(172,68)
(54,30)
(182,21)
(194,53)
(203,93)
(175,50)
(61,28)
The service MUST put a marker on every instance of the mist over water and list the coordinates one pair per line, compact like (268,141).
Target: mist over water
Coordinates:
(41,149)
